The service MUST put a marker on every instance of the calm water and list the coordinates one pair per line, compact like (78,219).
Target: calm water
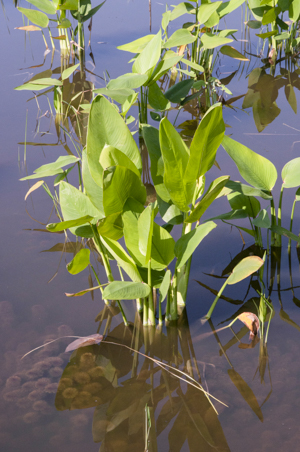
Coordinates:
(96,398)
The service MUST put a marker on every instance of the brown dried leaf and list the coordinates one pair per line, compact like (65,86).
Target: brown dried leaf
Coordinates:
(34,187)
(84,342)
(251,321)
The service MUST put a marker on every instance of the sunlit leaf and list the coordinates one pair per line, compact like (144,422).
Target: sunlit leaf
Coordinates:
(34,187)
(80,261)
(291,173)
(124,290)
(245,268)
(36,17)
(251,321)
(233,53)
(69,71)
(55,227)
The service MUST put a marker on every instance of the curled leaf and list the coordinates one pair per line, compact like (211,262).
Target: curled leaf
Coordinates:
(34,187)
(251,321)
(84,342)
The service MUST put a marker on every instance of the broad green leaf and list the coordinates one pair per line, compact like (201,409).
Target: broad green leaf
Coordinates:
(254,24)
(232,215)
(169,60)
(233,53)
(267,34)
(213,41)
(169,212)
(91,12)
(39,84)
(213,20)
(181,9)
(175,156)
(136,46)
(291,173)
(245,268)
(57,227)
(156,98)
(59,163)
(125,290)
(75,204)
(179,91)
(205,10)
(246,392)
(43,174)
(179,38)
(213,191)
(79,262)
(44,5)
(262,220)
(69,71)
(193,65)
(186,245)
(270,16)
(227,7)
(92,190)
(111,226)
(164,287)
(145,231)
(106,127)
(254,168)
(294,10)
(129,81)
(111,156)
(247,190)
(151,137)
(123,259)
(162,242)
(119,95)
(119,184)
(36,17)
(250,204)
(206,141)
(47,81)
(148,58)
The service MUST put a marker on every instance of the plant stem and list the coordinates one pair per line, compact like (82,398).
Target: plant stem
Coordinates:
(151,313)
(208,315)
(173,307)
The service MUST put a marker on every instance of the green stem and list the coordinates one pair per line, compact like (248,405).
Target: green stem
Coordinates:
(273,220)
(208,315)
(167,316)
(79,176)
(99,284)
(173,307)
(151,313)
(279,214)
(102,253)
(160,319)
(292,219)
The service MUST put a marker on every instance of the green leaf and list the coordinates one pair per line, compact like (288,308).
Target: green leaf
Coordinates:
(254,168)
(145,231)
(111,226)
(69,71)
(267,34)
(233,53)
(92,190)
(119,95)
(213,191)
(123,259)
(125,290)
(68,5)
(79,262)
(205,10)
(181,9)
(52,169)
(262,220)
(247,190)
(91,12)
(291,173)
(169,212)
(228,7)
(213,41)
(291,96)
(36,17)
(179,91)
(129,81)
(106,127)
(39,84)
(164,287)
(186,245)
(294,10)
(245,268)
(271,15)
(179,38)
(57,227)
(169,60)
(156,98)
(44,5)
(249,204)
(206,141)
(75,205)
(148,58)
(136,46)
(282,231)
(175,156)
(151,137)
(162,242)
(119,184)
(111,156)
(232,215)
(254,24)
